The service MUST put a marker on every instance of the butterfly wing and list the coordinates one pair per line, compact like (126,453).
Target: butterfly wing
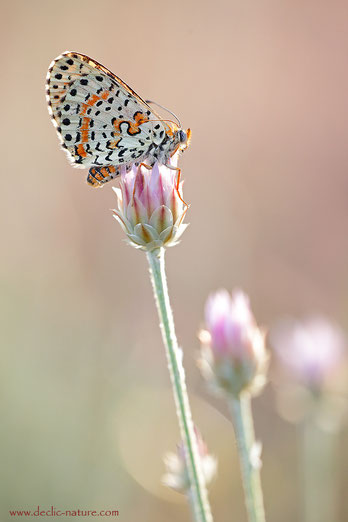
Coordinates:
(100,120)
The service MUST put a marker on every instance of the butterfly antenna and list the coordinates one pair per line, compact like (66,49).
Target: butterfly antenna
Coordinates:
(165,109)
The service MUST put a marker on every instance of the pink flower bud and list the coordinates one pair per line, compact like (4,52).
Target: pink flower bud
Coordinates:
(234,357)
(151,208)
(229,322)
(310,352)
(176,476)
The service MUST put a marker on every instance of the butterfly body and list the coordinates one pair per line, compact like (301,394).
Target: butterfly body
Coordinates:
(102,123)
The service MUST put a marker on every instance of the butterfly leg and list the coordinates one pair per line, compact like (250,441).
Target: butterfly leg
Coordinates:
(97,176)
(171,167)
(145,165)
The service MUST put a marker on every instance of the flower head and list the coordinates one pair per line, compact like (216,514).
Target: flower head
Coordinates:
(309,352)
(234,357)
(151,208)
(310,374)
(176,476)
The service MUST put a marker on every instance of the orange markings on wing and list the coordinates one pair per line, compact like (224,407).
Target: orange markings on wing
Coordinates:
(106,171)
(113,144)
(93,181)
(169,131)
(140,118)
(81,150)
(92,100)
(105,95)
(84,129)
(116,123)
(133,128)
(85,123)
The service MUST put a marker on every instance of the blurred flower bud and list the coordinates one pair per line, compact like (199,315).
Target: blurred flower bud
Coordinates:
(176,476)
(233,354)
(310,369)
(151,208)
(309,352)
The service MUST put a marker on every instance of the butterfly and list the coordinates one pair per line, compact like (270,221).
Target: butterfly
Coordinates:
(103,124)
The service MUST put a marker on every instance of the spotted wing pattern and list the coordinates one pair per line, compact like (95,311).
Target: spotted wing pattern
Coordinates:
(102,123)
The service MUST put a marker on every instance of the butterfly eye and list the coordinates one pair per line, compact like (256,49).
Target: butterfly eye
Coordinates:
(182,136)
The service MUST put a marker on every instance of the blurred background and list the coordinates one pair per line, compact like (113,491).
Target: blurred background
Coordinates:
(87,411)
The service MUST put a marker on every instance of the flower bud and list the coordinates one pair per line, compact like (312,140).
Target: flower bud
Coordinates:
(310,374)
(233,357)
(151,208)
(176,476)
(310,353)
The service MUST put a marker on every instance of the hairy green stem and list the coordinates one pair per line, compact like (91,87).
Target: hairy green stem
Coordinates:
(245,436)
(198,493)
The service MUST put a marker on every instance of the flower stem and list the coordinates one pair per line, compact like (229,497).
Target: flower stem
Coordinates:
(198,493)
(319,462)
(244,429)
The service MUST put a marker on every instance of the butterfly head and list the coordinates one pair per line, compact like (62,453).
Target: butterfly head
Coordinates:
(184,138)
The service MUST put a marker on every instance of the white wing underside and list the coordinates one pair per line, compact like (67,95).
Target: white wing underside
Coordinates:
(99,119)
